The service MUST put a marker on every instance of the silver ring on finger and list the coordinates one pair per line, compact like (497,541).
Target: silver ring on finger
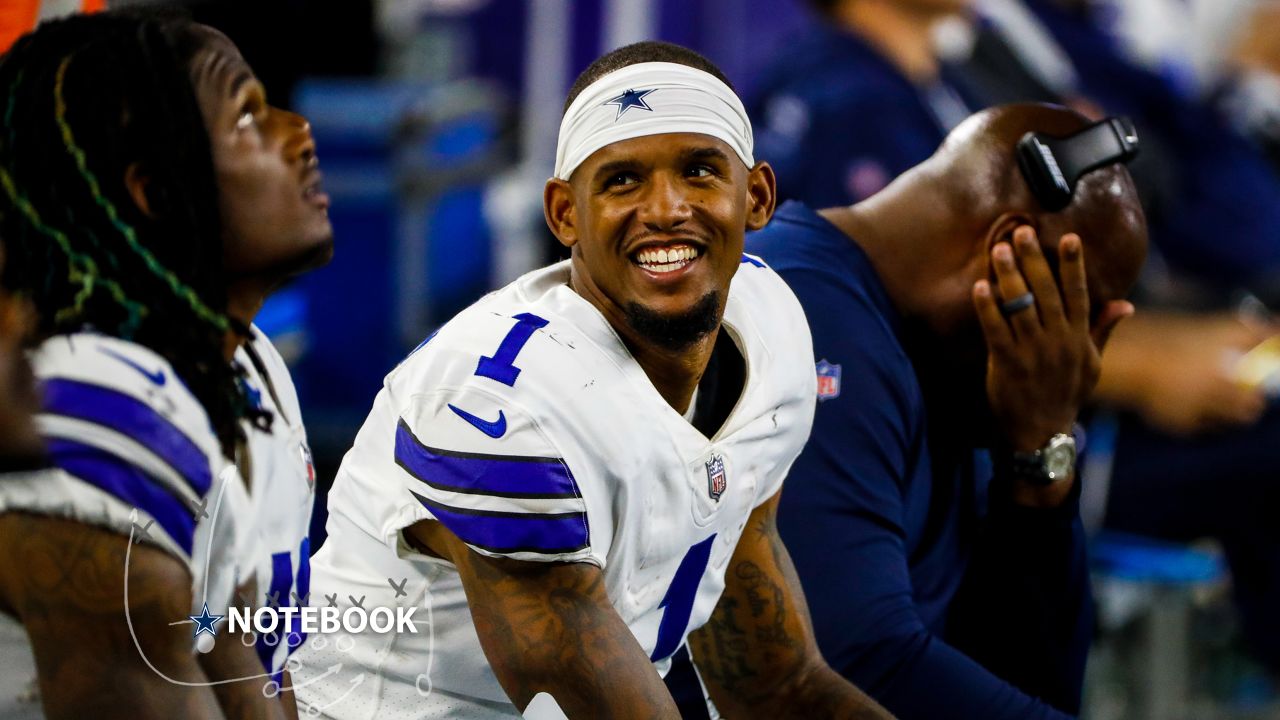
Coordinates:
(1017,304)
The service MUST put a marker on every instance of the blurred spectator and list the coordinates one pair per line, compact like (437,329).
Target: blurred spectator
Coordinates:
(1250,91)
(860,99)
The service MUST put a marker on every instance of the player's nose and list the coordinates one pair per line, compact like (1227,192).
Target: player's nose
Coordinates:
(301,144)
(665,203)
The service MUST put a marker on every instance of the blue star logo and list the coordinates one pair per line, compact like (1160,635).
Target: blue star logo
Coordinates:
(630,99)
(206,622)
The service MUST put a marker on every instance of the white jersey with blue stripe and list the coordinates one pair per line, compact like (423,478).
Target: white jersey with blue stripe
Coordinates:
(132,451)
(527,429)
(282,492)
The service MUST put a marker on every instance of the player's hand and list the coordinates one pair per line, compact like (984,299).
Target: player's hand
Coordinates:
(1043,360)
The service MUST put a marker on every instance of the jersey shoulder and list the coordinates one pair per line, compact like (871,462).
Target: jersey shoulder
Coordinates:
(124,433)
(761,299)
(494,416)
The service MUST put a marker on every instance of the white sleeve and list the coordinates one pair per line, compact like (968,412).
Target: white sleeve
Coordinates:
(485,469)
(132,451)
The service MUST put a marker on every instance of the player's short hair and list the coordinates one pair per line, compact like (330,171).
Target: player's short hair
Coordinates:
(81,100)
(642,52)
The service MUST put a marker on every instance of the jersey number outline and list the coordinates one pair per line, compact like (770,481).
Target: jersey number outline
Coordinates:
(677,604)
(501,365)
(282,579)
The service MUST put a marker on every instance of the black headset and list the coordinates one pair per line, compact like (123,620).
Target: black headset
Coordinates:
(1053,166)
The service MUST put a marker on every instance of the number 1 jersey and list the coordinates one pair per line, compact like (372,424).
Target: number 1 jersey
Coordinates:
(527,429)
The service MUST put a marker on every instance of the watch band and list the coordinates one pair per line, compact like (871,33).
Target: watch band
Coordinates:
(1043,467)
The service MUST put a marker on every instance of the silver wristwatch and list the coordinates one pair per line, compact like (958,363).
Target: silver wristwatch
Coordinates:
(1051,463)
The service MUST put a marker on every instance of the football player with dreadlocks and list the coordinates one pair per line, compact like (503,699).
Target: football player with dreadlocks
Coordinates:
(150,200)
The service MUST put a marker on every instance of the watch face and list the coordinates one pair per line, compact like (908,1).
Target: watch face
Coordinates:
(1059,457)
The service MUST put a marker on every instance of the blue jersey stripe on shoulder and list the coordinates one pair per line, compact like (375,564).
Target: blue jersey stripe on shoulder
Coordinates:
(128,483)
(504,532)
(752,260)
(134,418)
(509,476)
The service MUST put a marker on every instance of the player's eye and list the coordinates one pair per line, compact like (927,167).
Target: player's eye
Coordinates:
(621,180)
(251,111)
(700,171)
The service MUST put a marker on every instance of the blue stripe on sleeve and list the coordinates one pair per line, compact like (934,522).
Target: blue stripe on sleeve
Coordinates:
(509,476)
(113,475)
(134,418)
(503,532)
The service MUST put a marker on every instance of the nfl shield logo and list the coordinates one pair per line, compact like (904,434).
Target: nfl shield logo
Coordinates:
(716,482)
(311,468)
(828,380)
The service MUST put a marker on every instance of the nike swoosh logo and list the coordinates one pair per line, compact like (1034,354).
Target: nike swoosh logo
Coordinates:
(495,429)
(156,376)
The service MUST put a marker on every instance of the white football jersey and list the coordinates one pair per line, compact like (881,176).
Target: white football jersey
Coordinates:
(133,452)
(282,492)
(526,428)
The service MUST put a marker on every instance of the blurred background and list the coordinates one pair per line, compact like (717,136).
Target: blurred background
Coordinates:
(436,123)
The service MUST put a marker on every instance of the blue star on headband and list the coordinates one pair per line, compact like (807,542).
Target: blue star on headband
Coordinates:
(630,99)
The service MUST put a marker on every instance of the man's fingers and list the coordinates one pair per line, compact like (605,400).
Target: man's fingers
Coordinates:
(1013,287)
(1035,268)
(1111,315)
(1075,287)
(994,326)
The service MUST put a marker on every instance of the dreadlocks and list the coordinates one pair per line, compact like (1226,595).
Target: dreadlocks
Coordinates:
(85,99)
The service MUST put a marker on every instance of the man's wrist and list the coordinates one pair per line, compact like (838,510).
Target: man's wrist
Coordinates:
(1043,477)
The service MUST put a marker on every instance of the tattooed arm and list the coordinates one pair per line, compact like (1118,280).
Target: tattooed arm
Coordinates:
(757,654)
(65,581)
(549,627)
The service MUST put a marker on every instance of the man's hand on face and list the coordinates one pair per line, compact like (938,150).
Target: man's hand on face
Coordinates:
(1043,359)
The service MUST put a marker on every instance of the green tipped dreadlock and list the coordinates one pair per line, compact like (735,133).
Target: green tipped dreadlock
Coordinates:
(218,320)
(75,240)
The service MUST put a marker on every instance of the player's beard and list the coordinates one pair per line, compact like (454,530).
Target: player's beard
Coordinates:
(676,332)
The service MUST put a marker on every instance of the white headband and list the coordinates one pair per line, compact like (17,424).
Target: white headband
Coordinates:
(651,99)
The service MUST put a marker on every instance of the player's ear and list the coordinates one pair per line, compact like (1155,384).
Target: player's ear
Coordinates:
(1001,229)
(558,209)
(136,181)
(762,195)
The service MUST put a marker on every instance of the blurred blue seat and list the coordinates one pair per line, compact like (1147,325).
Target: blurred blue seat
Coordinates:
(1142,559)
(1154,584)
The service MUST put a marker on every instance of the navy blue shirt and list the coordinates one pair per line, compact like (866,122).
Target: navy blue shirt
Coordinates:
(933,600)
(838,122)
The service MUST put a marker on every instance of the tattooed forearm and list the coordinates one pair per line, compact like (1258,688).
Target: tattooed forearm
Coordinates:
(65,581)
(757,654)
(549,627)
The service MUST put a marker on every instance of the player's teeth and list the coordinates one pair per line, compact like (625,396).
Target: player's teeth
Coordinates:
(666,260)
